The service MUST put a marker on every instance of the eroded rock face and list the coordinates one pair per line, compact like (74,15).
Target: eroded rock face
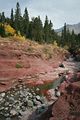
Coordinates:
(67,107)
(25,62)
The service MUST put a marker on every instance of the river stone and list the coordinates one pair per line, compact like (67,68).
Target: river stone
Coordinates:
(13,112)
(10,105)
(7,103)
(11,100)
(29,94)
(23,108)
(6,108)
(58,94)
(36,103)
(38,97)
(12,95)
(30,103)
(1,99)
(3,94)
(7,115)
(18,107)
(8,118)
(2,108)
(37,89)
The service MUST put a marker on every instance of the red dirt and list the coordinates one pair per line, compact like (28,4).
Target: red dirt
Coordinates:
(67,106)
(35,70)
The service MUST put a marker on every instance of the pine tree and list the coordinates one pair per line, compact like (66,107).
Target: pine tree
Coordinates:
(64,36)
(0,17)
(25,23)
(3,18)
(78,39)
(18,18)
(51,32)
(46,30)
(36,28)
(2,31)
(7,20)
(65,31)
(30,34)
(73,42)
(12,18)
(68,38)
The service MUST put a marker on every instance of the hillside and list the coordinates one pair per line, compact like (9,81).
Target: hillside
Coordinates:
(75,27)
(27,61)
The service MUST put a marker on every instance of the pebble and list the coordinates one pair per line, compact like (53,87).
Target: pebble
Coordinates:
(30,103)
(13,112)
(8,118)
(3,94)
(38,97)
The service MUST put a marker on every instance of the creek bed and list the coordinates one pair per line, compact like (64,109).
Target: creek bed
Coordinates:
(22,97)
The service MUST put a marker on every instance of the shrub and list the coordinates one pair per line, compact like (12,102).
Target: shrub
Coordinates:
(19,37)
(18,65)
(47,51)
(9,30)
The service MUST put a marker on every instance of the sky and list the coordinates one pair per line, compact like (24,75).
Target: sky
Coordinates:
(58,11)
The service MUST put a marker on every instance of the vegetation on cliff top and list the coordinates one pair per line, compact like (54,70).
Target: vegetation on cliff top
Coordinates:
(21,27)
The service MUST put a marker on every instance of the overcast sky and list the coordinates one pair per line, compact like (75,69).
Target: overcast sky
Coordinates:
(59,11)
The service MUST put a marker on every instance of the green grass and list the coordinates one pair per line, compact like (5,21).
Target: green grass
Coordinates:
(18,65)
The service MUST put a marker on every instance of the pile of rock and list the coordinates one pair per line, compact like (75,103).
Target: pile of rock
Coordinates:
(19,99)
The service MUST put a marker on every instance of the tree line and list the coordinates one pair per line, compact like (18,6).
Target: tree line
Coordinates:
(70,39)
(36,30)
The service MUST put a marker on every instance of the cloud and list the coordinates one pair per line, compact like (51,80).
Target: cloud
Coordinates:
(59,11)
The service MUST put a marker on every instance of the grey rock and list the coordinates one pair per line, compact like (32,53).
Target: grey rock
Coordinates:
(2,108)
(3,94)
(30,103)
(38,97)
(37,89)
(1,99)
(6,108)
(7,115)
(8,118)
(13,112)
(23,108)
(7,103)
(58,94)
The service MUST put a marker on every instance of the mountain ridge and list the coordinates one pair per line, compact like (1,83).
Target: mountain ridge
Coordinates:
(75,27)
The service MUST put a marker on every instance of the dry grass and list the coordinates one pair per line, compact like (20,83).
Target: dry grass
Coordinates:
(46,51)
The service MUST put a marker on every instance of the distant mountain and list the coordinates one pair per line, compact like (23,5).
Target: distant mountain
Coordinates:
(75,27)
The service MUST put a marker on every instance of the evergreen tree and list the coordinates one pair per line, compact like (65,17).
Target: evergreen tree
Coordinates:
(7,20)
(78,39)
(36,29)
(17,17)
(12,18)
(68,38)
(64,36)
(30,35)
(3,18)
(0,17)
(25,23)
(51,32)
(2,31)
(65,33)
(46,30)
(73,42)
